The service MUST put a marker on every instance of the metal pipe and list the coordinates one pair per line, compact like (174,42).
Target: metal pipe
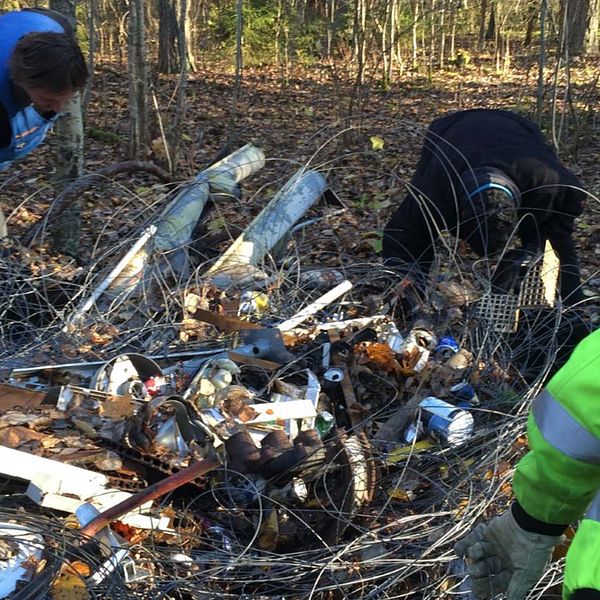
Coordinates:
(152,492)
(112,276)
(315,306)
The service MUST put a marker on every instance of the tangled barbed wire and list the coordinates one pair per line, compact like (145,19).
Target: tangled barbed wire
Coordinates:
(221,543)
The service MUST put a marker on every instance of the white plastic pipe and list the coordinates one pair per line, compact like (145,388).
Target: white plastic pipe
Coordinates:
(273,222)
(176,224)
(112,276)
(316,306)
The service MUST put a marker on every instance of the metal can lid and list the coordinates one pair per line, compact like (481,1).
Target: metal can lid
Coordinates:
(334,374)
(460,428)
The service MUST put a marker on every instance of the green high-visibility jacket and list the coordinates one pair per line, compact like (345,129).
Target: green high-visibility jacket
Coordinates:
(559,478)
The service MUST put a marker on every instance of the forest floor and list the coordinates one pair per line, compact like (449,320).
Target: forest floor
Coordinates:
(366,147)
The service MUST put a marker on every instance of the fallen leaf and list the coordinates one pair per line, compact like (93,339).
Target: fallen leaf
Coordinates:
(269,532)
(69,585)
(117,407)
(13,437)
(377,143)
(403,452)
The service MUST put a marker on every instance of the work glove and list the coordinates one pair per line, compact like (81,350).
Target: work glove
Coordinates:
(503,557)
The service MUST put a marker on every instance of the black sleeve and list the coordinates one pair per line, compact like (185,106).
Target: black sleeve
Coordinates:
(409,236)
(528,523)
(585,594)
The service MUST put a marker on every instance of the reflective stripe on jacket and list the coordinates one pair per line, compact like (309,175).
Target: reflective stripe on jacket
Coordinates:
(557,479)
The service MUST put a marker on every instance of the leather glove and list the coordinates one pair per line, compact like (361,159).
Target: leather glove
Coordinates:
(503,557)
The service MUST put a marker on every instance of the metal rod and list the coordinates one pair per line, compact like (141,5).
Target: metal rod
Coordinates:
(153,492)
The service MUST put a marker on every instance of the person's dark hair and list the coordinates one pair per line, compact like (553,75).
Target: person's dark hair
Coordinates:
(488,220)
(50,61)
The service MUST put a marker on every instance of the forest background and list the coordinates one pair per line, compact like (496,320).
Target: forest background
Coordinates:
(344,86)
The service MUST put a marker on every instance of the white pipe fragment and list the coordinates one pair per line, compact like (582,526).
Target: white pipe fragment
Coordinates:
(63,487)
(272,223)
(177,222)
(174,228)
(112,276)
(316,306)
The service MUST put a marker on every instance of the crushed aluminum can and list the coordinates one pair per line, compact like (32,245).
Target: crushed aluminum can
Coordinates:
(447,423)
(392,337)
(446,347)
(253,304)
(422,336)
(413,358)
(416,350)
(325,278)
(464,395)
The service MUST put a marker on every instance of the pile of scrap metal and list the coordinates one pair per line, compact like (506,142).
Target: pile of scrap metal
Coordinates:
(202,472)
(290,435)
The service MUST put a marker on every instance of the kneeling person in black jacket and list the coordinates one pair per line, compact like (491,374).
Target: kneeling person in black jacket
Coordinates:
(487,175)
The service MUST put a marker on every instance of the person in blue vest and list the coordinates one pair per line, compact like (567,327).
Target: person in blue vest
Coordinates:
(41,69)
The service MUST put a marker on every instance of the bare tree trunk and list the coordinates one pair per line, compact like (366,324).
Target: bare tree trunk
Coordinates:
(69,159)
(442,13)
(120,17)
(189,48)
(168,31)
(541,61)
(278,29)
(392,27)
(415,41)
(91,27)
(330,7)
(491,31)
(360,24)
(385,49)
(453,11)
(582,26)
(179,116)
(138,80)
(69,127)
(481,40)
(239,58)
(506,60)
(432,37)
(532,15)
(590,42)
